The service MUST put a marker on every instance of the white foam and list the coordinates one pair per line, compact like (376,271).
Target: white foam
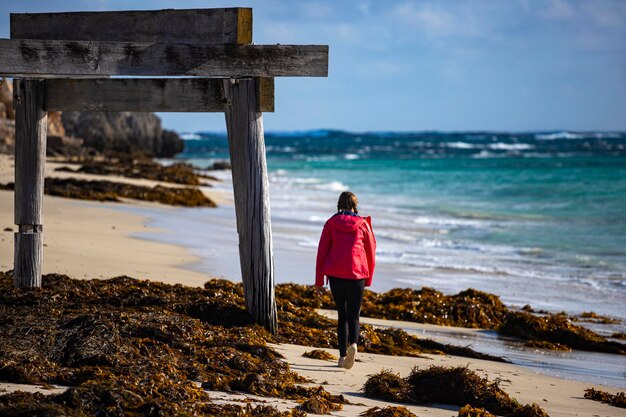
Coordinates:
(441,221)
(510,146)
(331,186)
(190,136)
(306,183)
(486,154)
(320,158)
(286,149)
(570,135)
(559,135)
(461,145)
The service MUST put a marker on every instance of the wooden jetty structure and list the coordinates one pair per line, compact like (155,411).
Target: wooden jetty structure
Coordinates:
(196,60)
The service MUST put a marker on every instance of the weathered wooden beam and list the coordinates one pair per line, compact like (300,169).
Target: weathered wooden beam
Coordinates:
(208,26)
(265,94)
(39,58)
(146,95)
(252,202)
(28,259)
(31,125)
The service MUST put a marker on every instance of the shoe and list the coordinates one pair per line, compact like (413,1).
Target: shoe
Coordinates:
(342,361)
(351,353)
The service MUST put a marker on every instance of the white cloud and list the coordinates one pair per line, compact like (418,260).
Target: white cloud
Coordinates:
(556,9)
(317,10)
(439,19)
(611,16)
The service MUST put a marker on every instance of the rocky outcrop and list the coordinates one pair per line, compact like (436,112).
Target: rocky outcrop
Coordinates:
(58,143)
(6,100)
(76,133)
(122,132)
(7,117)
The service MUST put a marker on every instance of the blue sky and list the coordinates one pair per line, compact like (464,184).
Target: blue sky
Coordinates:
(411,65)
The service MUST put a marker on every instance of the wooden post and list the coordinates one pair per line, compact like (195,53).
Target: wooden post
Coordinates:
(252,203)
(30,157)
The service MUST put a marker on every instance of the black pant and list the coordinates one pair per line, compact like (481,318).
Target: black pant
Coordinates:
(348,295)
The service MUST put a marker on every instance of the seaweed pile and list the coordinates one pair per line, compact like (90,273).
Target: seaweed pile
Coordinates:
(390,411)
(593,317)
(179,173)
(557,329)
(456,386)
(472,309)
(127,346)
(131,346)
(114,191)
(320,402)
(469,308)
(617,400)
(300,324)
(319,354)
(469,411)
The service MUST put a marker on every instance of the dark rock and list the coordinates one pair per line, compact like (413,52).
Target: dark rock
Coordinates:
(63,145)
(219,165)
(123,132)
(172,144)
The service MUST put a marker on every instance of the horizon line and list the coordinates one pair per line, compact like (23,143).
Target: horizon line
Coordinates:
(426,131)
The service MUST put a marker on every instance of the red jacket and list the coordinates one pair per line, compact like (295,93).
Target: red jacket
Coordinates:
(347,249)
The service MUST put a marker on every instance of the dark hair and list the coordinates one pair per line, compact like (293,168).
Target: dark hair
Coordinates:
(347,202)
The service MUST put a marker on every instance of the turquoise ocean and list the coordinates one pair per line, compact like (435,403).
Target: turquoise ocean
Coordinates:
(537,218)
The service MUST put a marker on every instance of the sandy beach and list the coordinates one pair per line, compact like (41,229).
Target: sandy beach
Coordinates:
(95,240)
(92,240)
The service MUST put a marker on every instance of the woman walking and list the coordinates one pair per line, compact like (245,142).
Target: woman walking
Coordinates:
(346,255)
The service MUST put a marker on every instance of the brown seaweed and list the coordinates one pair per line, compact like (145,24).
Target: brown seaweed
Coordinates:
(319,405)
(593,317)
(296,304)
(458,386)
(617,400)
(455,386)
(390,411)
(319,354)
(557,328)
(387,386)
(80,404)
(114,191)
(469,308)
(127,346)
(178,173)
(469,411)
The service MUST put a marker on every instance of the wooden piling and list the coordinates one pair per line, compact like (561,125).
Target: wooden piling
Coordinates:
(251,190)
(30,157)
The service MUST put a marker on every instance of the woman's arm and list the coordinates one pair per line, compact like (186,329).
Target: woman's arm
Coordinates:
(322,250)
(370,250)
